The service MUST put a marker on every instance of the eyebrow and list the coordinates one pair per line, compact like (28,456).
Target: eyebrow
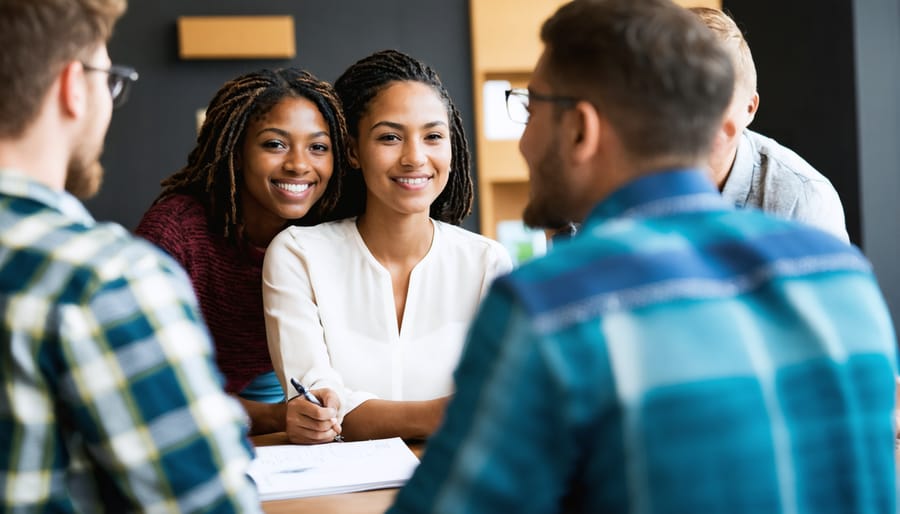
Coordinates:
(398,126)
(285,133)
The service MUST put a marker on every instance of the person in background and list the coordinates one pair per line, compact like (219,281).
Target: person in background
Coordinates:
(753,170)
(370,312)
(111,401)
(678,354)
(269,153)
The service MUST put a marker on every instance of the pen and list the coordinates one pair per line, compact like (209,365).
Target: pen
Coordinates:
(304,392)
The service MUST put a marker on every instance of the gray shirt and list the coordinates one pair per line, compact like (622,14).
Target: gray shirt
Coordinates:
(773,178)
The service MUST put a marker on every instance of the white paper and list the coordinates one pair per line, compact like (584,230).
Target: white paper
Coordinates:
(297,471)
(497,124)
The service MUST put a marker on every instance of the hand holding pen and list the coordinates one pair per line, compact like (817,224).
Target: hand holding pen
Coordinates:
(313,419)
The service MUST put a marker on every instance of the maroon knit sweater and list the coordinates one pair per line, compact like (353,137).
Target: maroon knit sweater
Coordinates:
(227,280)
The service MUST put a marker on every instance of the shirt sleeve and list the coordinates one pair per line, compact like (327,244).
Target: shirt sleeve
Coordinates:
(820,206)
(136,375)
(501,431)
(499,263)
(296,337)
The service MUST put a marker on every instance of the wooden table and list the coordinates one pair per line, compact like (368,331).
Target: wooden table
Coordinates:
(366,502)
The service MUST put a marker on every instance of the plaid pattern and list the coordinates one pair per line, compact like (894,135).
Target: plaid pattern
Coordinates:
(110,399)
(676,356)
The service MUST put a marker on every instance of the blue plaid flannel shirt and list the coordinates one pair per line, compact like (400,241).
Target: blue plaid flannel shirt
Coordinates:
(676,356)
(110,401)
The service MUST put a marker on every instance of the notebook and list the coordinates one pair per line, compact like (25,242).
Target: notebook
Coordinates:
(297,471)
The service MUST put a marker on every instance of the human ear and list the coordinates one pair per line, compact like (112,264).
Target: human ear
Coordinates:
(353,153)
(729,127)
(73,90)
(752,107)
(585,131)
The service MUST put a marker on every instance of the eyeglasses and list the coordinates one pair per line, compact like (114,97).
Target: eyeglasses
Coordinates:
(517,103)
(120,77)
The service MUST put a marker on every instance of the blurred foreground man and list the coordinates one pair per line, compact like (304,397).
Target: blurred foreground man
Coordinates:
(110,399)
(677,355)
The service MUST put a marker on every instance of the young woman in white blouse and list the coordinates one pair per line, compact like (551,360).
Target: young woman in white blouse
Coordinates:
(370,312)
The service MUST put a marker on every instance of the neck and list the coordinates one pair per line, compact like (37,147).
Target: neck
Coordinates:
(260,225)
(629,170)
(34,157)
(260,234)
(394,239)
(721,166)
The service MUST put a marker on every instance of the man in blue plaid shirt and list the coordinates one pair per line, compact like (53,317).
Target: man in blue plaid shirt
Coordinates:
(676,355)
(110,401)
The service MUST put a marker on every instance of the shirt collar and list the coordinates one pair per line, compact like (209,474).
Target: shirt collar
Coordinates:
(660,194)
(740,177)
(13,183)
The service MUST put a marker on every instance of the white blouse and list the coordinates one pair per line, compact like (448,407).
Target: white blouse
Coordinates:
(331,320)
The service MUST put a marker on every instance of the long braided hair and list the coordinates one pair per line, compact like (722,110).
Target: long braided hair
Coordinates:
(358,85)
(211,174)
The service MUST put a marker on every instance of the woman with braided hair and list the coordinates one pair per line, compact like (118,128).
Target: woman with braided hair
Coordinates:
(370,312)
(269,154)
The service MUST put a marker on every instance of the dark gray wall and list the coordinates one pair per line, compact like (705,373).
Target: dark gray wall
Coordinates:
(806,84)
(151,135)
(877,36)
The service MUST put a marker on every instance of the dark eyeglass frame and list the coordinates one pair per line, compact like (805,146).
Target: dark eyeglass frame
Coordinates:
(120,78)
(525,96)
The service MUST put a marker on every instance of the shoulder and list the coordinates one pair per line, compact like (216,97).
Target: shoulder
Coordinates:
(329,241)
(783,162)
(626,262)
(106,257)
(170,216)
(793,189)
(314,236)
(176,206)
(470,242)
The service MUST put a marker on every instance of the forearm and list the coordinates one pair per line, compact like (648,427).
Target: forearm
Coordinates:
(265,418)
(378,419)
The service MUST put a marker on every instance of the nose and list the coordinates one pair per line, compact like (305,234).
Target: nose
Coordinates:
(413,154)
(295,161)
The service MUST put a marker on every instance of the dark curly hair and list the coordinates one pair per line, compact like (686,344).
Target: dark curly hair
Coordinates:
(210,174)
(358,85)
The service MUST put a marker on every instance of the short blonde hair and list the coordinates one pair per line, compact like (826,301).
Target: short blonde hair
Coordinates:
(731,37)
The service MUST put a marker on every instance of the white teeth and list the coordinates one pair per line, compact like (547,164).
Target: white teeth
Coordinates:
(293,188)
(412,181)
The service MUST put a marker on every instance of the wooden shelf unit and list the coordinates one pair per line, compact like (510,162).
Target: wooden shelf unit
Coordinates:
(505,46)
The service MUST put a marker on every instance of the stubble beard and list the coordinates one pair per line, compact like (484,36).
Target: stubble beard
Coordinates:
(84,177)
(548,204)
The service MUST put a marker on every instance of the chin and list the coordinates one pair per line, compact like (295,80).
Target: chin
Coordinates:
(84,181)
(295,213)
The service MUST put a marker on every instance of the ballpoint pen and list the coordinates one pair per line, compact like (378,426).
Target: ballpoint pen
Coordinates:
(304,392)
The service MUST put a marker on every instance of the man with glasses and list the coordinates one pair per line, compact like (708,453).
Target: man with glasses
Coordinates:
(678,354)
(110,399)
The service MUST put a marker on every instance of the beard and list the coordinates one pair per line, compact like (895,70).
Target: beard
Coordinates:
(548,204)
(83,177)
